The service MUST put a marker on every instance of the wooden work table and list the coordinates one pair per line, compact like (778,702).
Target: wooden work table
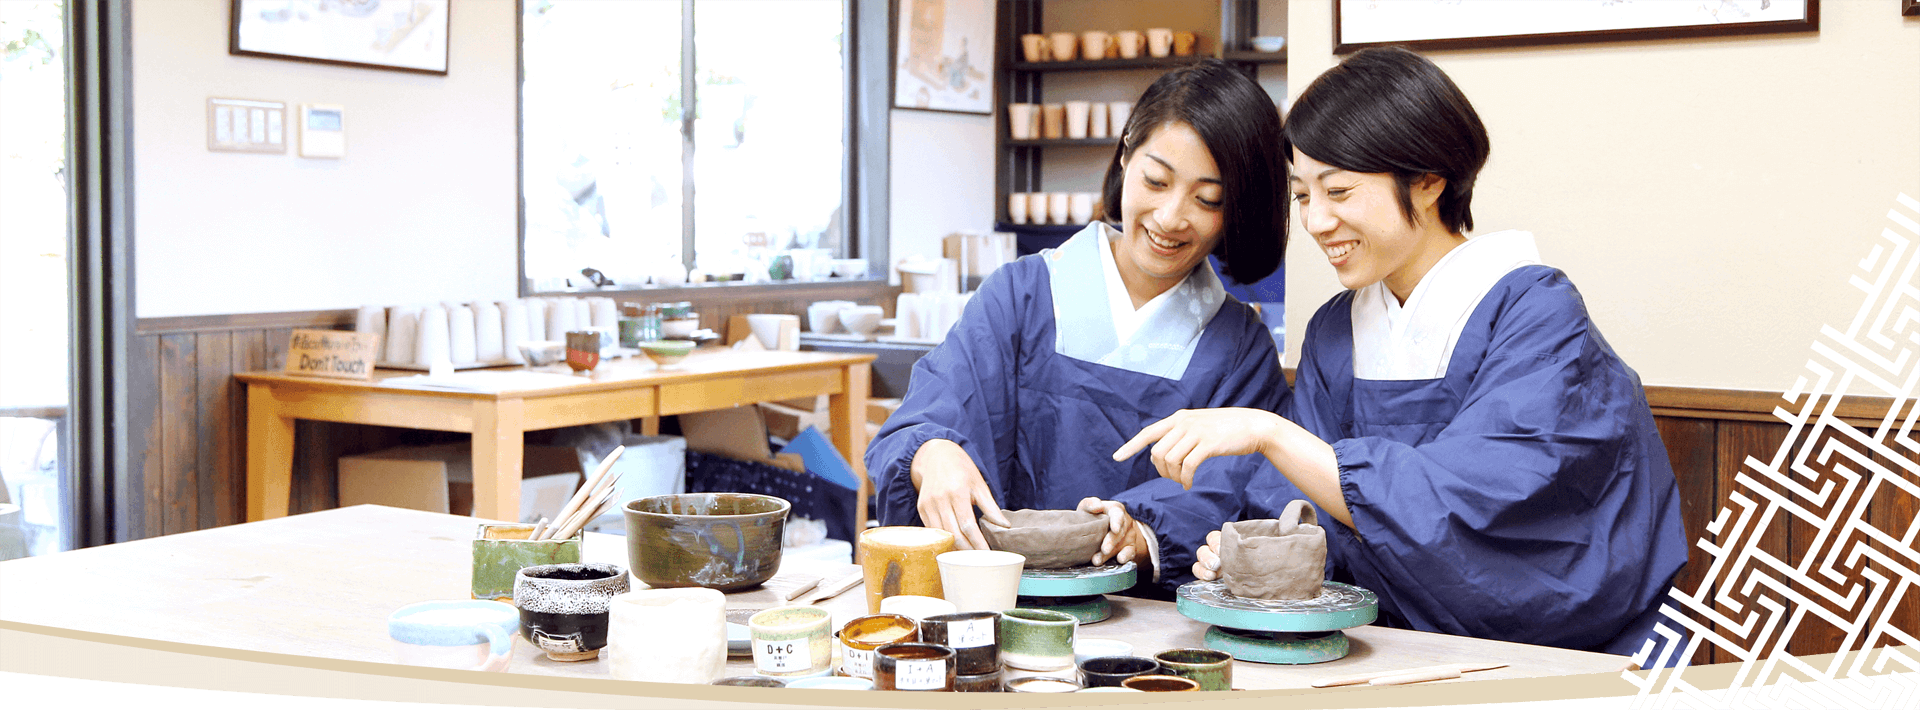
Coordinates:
(630,388)
(322,584)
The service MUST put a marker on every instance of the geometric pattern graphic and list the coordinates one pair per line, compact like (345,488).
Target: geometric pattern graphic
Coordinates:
(1858,568)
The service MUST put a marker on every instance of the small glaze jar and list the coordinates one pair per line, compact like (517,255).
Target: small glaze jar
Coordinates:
(1041,684)
(982,683)
(973,636)
(791,641)
(913,666)
(859,637)
(1160,683)
(1213,670)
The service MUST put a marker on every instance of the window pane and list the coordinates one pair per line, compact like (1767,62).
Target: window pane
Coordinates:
(34,293)
(768,150)
(601,130)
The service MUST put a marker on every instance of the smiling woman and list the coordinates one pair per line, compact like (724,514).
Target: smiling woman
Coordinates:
(1062,355)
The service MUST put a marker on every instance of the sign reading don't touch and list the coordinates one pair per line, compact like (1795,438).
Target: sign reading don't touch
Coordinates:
(332,353)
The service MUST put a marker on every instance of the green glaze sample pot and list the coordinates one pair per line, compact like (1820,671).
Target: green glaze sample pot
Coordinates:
(500,551)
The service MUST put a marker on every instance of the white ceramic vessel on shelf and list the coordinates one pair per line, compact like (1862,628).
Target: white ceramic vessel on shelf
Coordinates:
(1271,43)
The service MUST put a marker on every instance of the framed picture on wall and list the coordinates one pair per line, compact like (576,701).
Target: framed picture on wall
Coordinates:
(1474,24)
(399,35)
(1910,8)
(944,55)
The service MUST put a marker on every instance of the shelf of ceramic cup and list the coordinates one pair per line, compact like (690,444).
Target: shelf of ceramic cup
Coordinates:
(1096,142)
(1076,590)
(1284,632)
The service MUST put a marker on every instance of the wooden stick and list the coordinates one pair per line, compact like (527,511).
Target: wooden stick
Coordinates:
(538,529)
(802,589)
(586,514)
(1359,678)
(829,591)
(1405,678)
(587,488)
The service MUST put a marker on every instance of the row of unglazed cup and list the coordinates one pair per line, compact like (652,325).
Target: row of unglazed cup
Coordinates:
(1052,207)
(1068,119)
(1098,44)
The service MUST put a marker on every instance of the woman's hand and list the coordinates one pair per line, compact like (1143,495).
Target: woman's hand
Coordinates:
(1123,541)
(950,486)
(1191,436)
(1206,560)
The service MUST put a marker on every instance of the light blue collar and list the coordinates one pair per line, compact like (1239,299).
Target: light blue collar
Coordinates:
(1083,320)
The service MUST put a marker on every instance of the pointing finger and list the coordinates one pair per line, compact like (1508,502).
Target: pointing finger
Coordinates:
(1152,433)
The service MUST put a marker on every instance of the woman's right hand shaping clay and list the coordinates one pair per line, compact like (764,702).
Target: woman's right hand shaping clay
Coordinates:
(950,486)
(1206,560)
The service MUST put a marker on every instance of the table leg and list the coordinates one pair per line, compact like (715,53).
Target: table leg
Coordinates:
(849,412)
(649,426)
(499,443)
(269,455)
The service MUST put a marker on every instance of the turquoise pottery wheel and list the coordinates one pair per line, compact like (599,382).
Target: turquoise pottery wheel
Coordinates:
(1286,632)
(1076,590)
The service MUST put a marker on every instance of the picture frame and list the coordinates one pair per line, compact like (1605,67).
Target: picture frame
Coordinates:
(1910,8)
(944,55)
(395,35)
(1478,24)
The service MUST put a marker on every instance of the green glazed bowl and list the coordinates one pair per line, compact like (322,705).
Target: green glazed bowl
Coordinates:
(667,352)
(724,541)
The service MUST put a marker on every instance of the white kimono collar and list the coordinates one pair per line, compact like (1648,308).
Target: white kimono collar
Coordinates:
(1415,342)
(1165,341)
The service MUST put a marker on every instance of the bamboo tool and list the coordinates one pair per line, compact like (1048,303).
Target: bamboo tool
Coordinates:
(600,502)
(802,589)
(1408,678)
(586,492)
(1359,678)
(828,591)
(538,529)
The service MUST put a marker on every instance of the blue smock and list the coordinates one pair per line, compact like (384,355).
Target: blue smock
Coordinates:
(1042,426)
(1525,496)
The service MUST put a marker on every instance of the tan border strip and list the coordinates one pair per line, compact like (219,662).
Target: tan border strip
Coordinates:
(246,321)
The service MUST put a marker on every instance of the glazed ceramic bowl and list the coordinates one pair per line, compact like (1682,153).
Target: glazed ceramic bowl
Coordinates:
(543,352)
(667,352)
(679,327)
(1269,43)
(861,320)
(1051,539)
(723,541)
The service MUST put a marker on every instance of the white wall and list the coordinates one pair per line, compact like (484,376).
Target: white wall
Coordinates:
(422,208)
(940,179)
(1711,198)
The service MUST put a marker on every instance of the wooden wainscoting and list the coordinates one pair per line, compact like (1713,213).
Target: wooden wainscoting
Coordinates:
(193,461)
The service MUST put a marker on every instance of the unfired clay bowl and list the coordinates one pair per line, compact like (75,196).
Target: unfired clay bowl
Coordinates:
(1051,539)
(723,541)
(1281,558)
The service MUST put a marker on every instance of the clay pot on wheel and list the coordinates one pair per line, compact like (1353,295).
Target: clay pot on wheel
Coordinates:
(1051,539)
(1281,558)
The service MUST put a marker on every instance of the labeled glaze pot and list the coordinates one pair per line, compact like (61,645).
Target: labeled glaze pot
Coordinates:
(1114,670)
(792,641)
(724,541)
(974,637)
(1037,639)
(859,637)
(981,683)
(913,666)
(563,607)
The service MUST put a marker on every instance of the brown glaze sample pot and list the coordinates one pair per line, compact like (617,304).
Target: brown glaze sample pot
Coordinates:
(1160,683)
(1051,539)
(724,541)
(859,637)
(1283,558)
(913,666)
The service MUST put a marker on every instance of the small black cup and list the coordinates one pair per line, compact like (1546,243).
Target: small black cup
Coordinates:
(563,607)
(973,636)
(1114,670)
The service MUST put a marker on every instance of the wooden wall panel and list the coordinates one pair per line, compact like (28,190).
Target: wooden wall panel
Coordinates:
(213,353)
(1739,440)
(144,519)
(1691,450)
(180,430)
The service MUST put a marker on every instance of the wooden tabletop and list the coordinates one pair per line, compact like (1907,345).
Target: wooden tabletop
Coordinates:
(619,373)
(322,584)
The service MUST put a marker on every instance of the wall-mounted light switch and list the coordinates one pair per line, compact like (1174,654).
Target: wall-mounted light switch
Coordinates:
(246,126)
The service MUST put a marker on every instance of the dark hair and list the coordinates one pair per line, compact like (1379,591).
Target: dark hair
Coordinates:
(1389,110)
(1241,127)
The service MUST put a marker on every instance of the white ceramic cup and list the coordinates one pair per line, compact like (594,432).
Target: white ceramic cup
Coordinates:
(1077,113)
(1080,207)
(434,341)
(1017,207)
(667,635)
(1117,114)
(1097,126)
(1036,208)
(981,580)
(1021,120)
(1058,208)
(1159,41)
(1129,43)
(465,634)
(1093,44)
(1063,45)
(1053,121)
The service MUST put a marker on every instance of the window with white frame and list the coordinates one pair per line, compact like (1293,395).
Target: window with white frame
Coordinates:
(620,178)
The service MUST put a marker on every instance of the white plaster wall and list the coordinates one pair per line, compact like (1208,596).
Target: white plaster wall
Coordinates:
(940,179)
(422,208)
(1710,198)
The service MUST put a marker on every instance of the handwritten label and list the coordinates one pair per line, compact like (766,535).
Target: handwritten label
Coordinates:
(332,353)
(920,675)
(972,633)
(856,663)
(782,656)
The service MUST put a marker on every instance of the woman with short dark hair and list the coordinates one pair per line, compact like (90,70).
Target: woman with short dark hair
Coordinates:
(1491,464)
(1063,355)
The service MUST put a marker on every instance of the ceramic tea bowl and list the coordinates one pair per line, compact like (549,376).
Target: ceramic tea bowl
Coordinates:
(563,607)
(1050,539)
(667,352)
(724,541)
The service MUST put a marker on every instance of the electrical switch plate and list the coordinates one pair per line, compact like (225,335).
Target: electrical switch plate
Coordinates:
(246,126)
(323,131)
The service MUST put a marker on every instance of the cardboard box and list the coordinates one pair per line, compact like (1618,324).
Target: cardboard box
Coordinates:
(439,479)
(786,422)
